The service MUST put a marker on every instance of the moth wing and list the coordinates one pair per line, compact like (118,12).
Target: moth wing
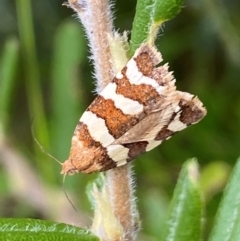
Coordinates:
(162,124)
(148,128)
(137,139)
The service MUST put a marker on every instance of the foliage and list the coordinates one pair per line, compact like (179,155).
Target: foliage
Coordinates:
(33,229)
(50,79)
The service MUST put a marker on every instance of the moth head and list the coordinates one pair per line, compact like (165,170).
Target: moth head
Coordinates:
(68,168)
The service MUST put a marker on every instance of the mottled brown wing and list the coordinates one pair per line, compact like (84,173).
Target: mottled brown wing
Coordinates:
(160,125)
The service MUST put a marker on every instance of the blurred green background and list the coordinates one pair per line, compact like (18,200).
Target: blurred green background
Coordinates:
(46,82)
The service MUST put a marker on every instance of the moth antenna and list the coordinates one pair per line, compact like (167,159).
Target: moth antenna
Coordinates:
(66,195)
(55,159)
(42,148)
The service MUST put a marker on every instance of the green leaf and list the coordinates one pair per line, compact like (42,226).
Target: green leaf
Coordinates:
(69,52)
(34,229)
(33,86)
(166,10)
(31,67)
(185,219)
(7,74)
(227,222)
(150,15)
(141,23)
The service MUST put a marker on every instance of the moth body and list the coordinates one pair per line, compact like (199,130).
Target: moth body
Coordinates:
(134,113)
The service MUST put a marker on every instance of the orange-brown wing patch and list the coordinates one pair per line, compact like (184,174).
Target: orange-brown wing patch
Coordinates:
(116,122)
(143,93)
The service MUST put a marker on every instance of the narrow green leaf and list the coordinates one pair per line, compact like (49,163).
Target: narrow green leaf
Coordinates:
(227,222)
(34,229)
(7,74)
(33,86)
(141,24)
(31,66)
(69,52)
(185,219)
(150,14)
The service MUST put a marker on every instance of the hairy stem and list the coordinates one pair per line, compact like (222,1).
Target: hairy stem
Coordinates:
(121,192)
(96,17)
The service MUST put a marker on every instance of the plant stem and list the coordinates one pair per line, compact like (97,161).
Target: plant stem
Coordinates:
(121,192)
(96,17)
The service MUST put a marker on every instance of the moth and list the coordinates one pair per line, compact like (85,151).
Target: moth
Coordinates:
(133,114)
